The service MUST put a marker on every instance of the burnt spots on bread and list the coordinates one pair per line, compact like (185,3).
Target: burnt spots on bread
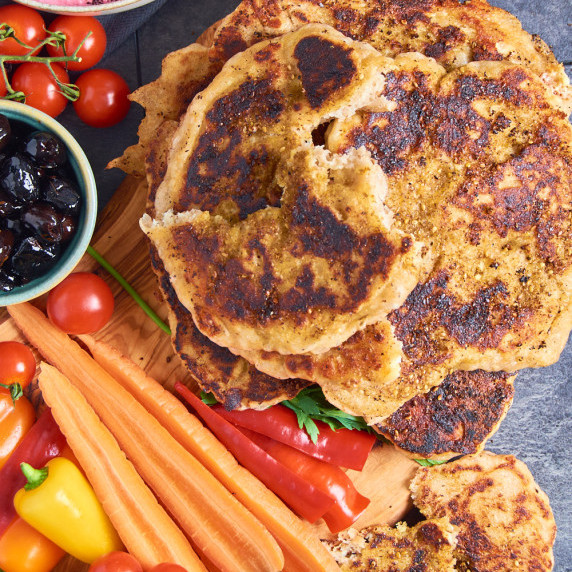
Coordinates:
(321,233)
(462,131)
(455,417)
(531,192)
(267,53)
(481,322)
(391,136)
(447,38)
(306,295)
(325,68)
(219,169)
(230,42)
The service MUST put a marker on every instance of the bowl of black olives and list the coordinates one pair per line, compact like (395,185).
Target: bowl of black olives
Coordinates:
(48,203)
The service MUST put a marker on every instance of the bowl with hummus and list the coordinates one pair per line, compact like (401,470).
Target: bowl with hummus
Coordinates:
(85,7)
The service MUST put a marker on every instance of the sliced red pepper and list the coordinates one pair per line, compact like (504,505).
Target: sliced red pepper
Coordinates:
(301,496)
(349,503)
(41,443)
(342,447)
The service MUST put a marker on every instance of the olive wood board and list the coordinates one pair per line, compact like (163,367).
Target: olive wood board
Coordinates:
(386,476)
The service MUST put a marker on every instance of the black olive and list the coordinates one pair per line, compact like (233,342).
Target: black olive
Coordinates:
(16,226)
(5,131)
(6,244)
(31,258)
(44,222)
(8,281)
(19,179)
(7,205)
(62,194)
(46,149)
(68,228)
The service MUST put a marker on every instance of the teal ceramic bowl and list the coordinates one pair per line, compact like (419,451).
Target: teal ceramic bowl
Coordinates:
(86,185)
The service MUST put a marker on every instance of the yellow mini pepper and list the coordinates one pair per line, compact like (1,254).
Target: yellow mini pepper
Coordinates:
(59,502)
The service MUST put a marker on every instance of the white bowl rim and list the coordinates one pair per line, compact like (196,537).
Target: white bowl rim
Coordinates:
(39,286)
(91,9)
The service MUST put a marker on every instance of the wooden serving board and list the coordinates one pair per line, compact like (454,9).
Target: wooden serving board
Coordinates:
(386,476)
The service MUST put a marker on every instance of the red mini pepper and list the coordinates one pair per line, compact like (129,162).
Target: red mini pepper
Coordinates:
(41,443)
(300,495)
(342,447)
(349,503)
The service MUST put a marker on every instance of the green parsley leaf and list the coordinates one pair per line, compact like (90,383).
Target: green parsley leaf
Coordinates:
(311,404)
(429,462)
(208,398)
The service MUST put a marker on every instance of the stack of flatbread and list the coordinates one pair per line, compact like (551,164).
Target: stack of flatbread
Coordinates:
(370,196)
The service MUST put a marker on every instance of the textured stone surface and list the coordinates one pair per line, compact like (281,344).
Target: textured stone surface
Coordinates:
(538,429)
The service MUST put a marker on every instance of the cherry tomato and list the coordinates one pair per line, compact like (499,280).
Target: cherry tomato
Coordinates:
(16,419)
(168,568)
(103,98)
(28,27)
(17,364)
(40,87)
(76,29)
(81,304)
(116,562)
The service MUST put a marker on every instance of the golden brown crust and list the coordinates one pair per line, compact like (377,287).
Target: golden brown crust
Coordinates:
(454,33)
(455,418)
(505,522)
(425,547)
(233,381)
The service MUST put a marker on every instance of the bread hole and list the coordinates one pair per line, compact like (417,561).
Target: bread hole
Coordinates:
(319,134)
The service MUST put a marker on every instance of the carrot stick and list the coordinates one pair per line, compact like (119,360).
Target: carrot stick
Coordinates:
(302,549)
(143,525)
(217,523)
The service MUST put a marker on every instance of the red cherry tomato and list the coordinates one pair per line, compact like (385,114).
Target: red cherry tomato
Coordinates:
(168,568)
(76,28)
(28,27)
(17,364)
(38,84)
(103,98)
(116,562)
(81,304)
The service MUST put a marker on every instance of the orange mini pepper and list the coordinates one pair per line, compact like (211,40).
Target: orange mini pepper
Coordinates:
(16,419)
(24,549)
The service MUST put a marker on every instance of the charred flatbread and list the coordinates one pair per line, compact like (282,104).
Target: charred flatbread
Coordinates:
(503,518)
(455,418)
(429,544)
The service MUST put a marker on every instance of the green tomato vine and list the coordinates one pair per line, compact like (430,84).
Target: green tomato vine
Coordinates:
(55,39)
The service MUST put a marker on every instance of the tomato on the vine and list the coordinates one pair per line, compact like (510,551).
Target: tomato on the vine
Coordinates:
(103,98)
(116,562)
(81,304)
(17,364)
(28,27)
(40,88)
(76,29)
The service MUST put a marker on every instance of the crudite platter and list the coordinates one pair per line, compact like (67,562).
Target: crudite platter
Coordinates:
(367,202)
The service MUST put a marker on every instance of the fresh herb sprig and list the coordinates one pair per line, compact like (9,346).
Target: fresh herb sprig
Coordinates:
(310,405)
(128,288)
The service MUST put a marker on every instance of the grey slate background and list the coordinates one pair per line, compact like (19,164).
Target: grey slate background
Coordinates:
(538,428)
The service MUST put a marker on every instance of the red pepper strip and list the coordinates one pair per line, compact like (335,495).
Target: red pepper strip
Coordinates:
(349,503)
(301,496)
(342,447)
(41,443)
